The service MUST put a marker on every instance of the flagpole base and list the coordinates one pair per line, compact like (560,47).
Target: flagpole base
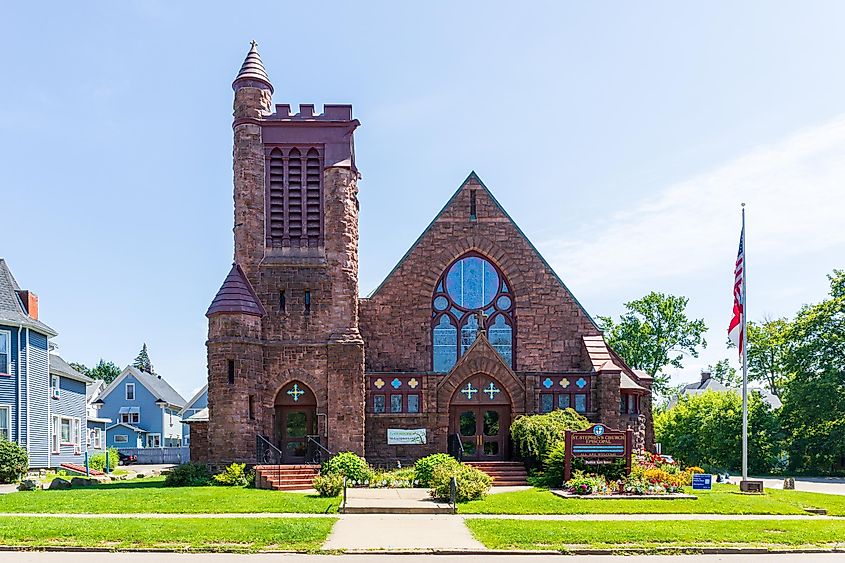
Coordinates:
(751,486)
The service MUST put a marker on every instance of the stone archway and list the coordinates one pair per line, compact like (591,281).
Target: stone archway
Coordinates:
(480,414)
(295,419)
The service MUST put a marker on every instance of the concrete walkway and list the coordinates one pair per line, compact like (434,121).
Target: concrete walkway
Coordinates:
(365,532)
(393,501)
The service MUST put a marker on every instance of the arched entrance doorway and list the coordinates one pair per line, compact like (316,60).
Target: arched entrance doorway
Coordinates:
(295,420)
(480,419)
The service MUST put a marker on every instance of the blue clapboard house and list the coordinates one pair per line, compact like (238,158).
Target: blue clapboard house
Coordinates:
(42,399)
(144,410)
(197,404)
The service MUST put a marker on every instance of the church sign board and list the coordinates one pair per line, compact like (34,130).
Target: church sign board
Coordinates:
(403,436)
(596,445)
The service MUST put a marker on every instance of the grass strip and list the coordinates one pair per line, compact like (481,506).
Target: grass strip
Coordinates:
(621,535)
(299,534)
(723,499)
(151,496)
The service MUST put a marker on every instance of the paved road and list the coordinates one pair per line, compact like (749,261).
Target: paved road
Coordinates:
(37,557)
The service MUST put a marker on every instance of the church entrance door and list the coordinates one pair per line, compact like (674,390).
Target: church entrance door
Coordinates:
(295,421)
(482,431)
(480,419)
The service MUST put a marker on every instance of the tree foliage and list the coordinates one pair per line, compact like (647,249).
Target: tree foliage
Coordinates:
(107,371)
(142,361)
(705,430)
(726,374)
(814,394)
(655,333)
(535,435)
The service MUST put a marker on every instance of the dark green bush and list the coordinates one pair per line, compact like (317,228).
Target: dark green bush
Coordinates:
(424,467)
(535,435)
(349,465)
(188,475)
(13,462)
(472,484)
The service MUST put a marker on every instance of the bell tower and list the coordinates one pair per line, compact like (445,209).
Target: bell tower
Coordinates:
(292,294)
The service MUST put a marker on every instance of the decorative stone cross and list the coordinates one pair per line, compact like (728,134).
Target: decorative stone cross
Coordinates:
(492,390)
(295,392)
(480,318)
(469,391)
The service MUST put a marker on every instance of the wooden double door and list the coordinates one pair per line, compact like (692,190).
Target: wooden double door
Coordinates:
(293,426)
(482,431)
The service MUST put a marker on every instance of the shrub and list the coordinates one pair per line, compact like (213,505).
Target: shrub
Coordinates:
(98,461)
(250,478)
(232,476)
(188,475)
(535,435)
(554,465)
(424,467)
(396,479)
(584,484)
(328,485)
(349,465)
(13,462)
(472,484)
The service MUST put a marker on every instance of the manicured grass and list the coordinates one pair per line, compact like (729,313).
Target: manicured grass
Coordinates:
(724,499)
(178,534)
(621,535)
(151,496)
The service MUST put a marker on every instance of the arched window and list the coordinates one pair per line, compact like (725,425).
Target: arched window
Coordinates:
(470,284)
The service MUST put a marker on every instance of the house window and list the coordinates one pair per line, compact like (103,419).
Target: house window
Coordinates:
(54,437)
(629,404)
(121,439)
(153,440)
(307,299)
(251,407)
(130,391)
(5,423)
(77,435)
(130,415)
(5,352)
(67,438)
(55,386)
(471,284)
(552,401)
(231,366)
(378,404)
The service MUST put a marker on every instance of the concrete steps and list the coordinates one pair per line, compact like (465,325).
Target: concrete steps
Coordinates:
(504,473)
(285,477)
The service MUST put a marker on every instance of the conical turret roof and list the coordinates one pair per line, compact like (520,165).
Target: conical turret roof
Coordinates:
(253,68)
(236,296)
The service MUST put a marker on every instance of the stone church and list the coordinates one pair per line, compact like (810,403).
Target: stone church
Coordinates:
(470,330)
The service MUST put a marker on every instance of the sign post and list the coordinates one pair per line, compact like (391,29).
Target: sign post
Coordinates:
(597,444)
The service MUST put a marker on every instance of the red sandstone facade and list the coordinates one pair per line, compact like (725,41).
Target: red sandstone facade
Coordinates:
(294,352)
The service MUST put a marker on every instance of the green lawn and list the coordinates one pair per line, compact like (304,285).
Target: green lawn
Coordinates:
(178,534)
(151,496)
(622,535)
(724,499)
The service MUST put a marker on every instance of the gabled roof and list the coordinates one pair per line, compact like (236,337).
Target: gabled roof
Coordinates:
(160,388)
(195,398)
(129,426)
(236,296)
(11,308)
(60,367)
(93,389)
(199,416)
(473,177)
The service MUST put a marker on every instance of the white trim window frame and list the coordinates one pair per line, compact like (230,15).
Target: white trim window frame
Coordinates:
(55,439)
(126,392)
(6,423)
(153,440)
(55,386)
(6,352)
(98,439)
(76,434)
(121,439)
(70,437)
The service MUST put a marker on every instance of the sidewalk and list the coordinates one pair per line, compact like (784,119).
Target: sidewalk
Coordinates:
(363,532)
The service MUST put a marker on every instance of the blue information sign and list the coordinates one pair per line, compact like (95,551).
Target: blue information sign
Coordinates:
(702,481)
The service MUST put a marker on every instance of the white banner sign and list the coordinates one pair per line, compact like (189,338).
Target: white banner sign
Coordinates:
(400,436)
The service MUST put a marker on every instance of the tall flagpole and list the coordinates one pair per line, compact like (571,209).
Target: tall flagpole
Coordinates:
(744,353)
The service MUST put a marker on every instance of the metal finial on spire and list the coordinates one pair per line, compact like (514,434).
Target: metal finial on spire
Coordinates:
(253,69)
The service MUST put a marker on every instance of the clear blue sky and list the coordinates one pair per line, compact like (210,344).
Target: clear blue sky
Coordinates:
(620,136)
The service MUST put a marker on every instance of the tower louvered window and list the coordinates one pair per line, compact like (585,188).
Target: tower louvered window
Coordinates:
(294,197)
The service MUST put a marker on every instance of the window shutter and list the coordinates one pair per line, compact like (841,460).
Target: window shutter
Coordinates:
(277,197)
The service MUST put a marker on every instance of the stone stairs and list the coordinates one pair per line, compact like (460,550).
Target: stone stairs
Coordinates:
(504,473)
(285,477)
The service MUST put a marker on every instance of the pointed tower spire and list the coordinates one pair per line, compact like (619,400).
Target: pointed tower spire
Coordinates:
(252,71)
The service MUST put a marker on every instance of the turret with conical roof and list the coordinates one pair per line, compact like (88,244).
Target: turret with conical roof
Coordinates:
(252,72)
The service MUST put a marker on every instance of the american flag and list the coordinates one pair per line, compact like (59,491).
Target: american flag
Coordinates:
(736,328)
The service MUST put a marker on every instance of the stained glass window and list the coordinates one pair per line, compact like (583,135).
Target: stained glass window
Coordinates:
(581,402)
(396,403)
(413,403)
(378,403)
(547,402)
(471,284)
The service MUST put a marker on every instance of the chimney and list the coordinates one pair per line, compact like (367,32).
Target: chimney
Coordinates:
(705,375)
(30,302)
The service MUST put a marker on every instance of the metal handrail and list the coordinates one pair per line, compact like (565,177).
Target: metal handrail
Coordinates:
(271,446)
(319,445)
(460,446)
(261,441)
